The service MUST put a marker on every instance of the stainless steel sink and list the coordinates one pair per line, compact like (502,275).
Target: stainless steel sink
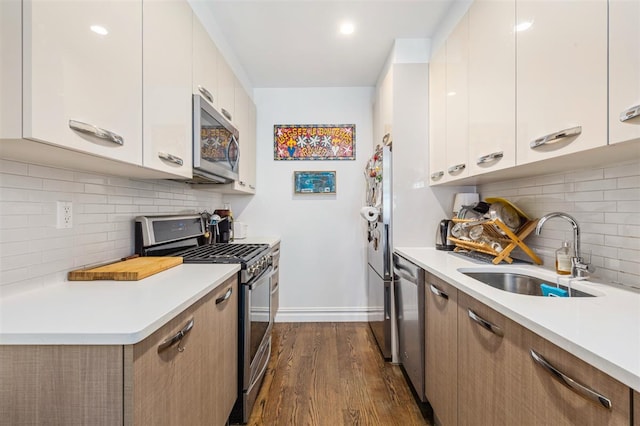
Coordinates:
(518,283)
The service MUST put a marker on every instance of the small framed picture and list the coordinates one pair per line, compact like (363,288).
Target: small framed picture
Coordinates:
(314,182)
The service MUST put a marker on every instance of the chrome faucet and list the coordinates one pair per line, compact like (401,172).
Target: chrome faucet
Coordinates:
(578,267)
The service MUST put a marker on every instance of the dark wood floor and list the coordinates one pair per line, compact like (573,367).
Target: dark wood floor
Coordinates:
(332,374)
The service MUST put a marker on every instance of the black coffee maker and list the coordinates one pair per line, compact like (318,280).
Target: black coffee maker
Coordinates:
(442,235)
(224,232)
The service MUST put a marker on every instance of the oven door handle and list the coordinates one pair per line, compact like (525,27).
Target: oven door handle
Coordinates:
(257,377)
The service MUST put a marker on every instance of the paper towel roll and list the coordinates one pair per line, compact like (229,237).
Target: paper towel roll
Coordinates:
(369,213)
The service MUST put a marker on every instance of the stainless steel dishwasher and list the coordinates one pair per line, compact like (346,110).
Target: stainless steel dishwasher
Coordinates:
(408,281)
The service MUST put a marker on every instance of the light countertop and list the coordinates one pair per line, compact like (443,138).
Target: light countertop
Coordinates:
(603,331)
(272,241)
(106,312)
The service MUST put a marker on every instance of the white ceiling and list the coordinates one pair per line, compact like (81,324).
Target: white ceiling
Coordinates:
(296,43)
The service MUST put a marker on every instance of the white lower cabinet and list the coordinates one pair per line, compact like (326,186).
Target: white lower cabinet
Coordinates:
(82,76)
(167,110)
(561,78)
(163,380)
(624,70)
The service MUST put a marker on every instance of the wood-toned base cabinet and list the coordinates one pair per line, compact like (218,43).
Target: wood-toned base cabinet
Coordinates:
(500,382)
(441,349)
(192,381)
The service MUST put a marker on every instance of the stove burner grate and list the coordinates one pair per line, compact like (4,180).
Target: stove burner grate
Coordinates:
(223,253)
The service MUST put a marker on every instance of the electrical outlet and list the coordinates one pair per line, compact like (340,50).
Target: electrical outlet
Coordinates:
(64,218)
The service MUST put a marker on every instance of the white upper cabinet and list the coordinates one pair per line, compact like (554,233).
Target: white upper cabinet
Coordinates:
(167,49)
(386,106)
(11,69)
(624,70)
(437,116)
(226,89)
(205,64)
(492,86)
(82,76)
(457,102)
(562,77)
(244,119)
(246,182)
(252,154)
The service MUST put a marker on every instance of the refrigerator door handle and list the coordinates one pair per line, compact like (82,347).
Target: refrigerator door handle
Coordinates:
(387,302)
(386,252)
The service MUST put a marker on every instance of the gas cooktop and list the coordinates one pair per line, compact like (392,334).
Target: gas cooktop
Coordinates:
(223,253)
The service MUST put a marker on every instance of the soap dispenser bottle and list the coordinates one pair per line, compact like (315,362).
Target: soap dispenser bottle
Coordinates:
(563,259)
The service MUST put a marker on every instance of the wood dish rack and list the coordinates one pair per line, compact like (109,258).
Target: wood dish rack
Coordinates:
(507,239)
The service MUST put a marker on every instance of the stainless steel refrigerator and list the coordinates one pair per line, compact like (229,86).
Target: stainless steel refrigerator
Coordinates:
(377,213)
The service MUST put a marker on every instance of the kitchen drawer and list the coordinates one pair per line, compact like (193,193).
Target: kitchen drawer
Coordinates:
(275,295)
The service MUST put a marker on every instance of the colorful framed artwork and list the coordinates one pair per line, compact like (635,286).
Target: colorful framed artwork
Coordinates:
(312,182)
(314,142)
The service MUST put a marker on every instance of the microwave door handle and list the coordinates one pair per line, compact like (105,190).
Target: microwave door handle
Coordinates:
(233,163)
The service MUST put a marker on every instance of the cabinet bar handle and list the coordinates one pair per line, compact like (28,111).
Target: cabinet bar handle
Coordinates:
(567,381)
(226,114)
(207,94)
(437,175)
(490,157)
(435,290)
(170,157)
(456,168)
(630,113)
(252,186)
(274,290)
(176,338)
(556,137)
(92,130)
(226,296)
(242,183)
(486,324)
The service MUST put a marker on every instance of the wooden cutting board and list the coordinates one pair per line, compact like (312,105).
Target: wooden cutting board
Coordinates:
(127,270)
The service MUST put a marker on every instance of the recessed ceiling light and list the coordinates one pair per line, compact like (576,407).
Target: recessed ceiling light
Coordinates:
(523,26)
(99,29)
(451,94)
(347,28)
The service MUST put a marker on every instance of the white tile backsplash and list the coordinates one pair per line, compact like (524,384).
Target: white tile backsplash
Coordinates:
(605,202)
(33,253)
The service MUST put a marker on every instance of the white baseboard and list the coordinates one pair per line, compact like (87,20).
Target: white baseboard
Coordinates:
(341,314)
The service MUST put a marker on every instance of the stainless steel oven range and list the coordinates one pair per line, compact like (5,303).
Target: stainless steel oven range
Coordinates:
(184,236)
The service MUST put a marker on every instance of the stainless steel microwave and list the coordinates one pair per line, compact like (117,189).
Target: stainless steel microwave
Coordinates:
(216,150)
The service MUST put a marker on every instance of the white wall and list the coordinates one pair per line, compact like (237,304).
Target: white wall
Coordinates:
(323,260)
(33,253)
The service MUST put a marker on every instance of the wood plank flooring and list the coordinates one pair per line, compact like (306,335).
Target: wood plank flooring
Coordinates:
(332,374)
